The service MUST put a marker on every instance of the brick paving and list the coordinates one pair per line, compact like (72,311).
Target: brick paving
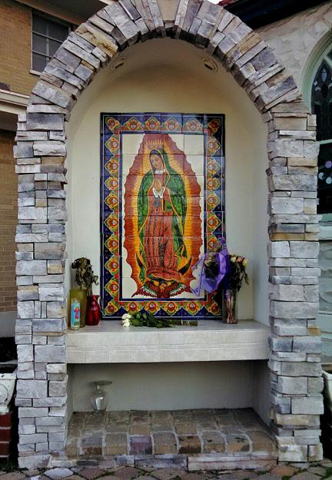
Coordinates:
(283,471)
(187,432)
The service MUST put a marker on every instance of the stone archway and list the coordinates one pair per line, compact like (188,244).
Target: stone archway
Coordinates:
(40,152)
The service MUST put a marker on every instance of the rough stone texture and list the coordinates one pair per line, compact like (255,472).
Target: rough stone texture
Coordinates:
(210,437)
(284,38)
(119,470)
(292,182)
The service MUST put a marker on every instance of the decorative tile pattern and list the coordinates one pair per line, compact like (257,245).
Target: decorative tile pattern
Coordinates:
(162,207)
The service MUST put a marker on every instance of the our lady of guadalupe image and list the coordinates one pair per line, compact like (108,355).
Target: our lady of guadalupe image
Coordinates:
(162,219)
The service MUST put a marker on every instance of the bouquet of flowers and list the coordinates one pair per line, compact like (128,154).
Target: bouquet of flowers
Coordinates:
(146,319)
(223,274)
(237,272)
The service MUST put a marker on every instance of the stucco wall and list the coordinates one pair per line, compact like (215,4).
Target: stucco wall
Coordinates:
(168,75)
(167,386)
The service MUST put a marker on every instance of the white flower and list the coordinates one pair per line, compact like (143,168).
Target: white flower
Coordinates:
(126,322)
(126,316)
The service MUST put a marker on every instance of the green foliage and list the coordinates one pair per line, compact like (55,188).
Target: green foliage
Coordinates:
(146,319)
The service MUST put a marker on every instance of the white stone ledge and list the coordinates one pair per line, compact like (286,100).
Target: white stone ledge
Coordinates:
(210,341)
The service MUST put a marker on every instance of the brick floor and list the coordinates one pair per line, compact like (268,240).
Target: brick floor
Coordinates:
(226,433)
(321,471)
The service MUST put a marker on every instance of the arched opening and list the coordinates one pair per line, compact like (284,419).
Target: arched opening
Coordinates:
(170,76)
(292,246)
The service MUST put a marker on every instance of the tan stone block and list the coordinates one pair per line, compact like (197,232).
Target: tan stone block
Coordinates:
(311,237)
(98,38)
(41,202)
(315,331)
(25,247)
(189,444)
(237,443)
(53,160)
(312,121)
(310,207)
(54,267)
(290,123)
(287,236)
(116,444)
(185,429)
(262,442)
(213,442)
(164,443)
(303,170)
(283,471)
(296,420)
(301,162)
(139,430)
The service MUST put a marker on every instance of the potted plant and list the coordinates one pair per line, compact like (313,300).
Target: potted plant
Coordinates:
(85,278)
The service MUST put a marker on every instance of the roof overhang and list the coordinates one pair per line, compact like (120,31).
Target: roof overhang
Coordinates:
(11,104)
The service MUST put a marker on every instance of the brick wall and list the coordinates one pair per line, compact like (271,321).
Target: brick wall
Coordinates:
(8,216)
(15,47)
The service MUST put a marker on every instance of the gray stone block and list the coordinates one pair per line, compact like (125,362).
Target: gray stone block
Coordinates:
(32,213)
(279,249)
(35,267)
(308,405)
(51,292)
(45,121)
(49,251)
(307,344)
(50,354)
(58,389)
(33,438)
(50,402)
(315,385)
(53,94)
(300,369)
(25,310)
(47,326)
(304,249)
(51,148)
(293,309)
(25,352)
(34,462)
(292,385)
(26,412)
(287,205)
(31,388)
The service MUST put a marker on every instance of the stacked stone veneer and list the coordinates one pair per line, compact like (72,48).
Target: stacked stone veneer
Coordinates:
(40,152)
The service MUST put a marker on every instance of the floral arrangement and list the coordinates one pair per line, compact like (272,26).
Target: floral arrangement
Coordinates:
(84,276)
(223,275)
(146,319)
(238,272)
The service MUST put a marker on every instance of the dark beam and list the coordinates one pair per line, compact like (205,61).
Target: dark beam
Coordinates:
(257,13)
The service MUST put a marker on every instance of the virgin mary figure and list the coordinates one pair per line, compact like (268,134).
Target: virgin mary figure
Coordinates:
(162,209)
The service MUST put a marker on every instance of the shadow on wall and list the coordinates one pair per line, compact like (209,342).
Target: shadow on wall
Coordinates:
(7,324)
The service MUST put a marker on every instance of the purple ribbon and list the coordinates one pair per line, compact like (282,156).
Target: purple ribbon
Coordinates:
(211,284)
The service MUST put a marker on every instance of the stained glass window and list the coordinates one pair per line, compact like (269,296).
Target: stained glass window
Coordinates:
(321,103)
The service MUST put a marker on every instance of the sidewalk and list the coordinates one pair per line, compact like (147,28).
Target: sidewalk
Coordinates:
(320,471)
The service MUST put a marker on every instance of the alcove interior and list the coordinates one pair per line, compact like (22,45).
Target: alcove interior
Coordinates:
(166,75)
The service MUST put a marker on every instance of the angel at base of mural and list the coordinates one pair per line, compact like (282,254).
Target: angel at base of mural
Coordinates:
(164,253)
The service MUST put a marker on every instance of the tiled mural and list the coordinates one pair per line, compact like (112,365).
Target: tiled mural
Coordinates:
(162,208)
